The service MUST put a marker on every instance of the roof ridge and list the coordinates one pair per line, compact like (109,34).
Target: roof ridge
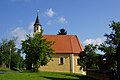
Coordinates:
(57,35)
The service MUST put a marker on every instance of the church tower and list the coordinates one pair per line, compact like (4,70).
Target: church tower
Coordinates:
(37,26)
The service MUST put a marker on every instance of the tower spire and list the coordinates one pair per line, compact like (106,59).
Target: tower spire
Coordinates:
(37,25)
(37,22)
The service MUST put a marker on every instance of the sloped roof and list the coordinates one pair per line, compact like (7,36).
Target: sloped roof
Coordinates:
(37,22)
(65,43)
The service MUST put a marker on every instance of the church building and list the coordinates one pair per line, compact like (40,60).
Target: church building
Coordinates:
(67,49)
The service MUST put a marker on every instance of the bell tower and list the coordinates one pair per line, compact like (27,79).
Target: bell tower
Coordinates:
(37,26)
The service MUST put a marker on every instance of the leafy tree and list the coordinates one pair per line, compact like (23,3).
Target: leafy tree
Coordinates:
(110,51)
(111,46)
(0,58)
(62,32)
(118,61)
(37,51)
(89,57)
(8,52)
(7,48)
(17,61)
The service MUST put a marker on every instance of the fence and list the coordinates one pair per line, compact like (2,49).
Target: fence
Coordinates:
(101,74)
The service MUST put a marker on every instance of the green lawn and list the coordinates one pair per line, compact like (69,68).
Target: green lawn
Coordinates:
(41,76)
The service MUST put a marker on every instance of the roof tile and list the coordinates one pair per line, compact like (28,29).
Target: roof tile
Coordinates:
(65,43)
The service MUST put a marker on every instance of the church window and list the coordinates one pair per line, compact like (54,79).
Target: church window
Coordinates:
(37,28)
(61,61)
(78,61)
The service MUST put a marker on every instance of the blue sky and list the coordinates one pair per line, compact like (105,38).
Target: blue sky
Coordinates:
(88,19)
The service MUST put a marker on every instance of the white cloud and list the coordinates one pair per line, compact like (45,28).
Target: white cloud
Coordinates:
(62,20)
(97,41)
(20,33)
(50,12)
(57,19)
(31,28)
(49,22)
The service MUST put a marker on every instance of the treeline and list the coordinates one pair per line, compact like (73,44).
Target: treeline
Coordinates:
(90,59)
(9,55)
(36,49)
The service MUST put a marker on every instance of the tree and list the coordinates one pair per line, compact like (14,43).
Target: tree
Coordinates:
(118,61)
(7,47)
(17,62)
(89,57)
(110,51)
(111,47)
(37,51)
(62,32)
(0,58)
(8,53)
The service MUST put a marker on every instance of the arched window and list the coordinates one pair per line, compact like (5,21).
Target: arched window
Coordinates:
(61,61)
(78,61)
(37,28)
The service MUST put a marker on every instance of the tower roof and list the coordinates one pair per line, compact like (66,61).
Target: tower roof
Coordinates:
(37,21)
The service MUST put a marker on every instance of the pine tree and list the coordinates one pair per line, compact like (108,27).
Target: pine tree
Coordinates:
(62,32)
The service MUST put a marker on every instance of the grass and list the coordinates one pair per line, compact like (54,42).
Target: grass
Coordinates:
(42,76)
(4,69)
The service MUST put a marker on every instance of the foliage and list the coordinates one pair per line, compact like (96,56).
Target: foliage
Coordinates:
(62,32)
(111,44)
(37,51)
(7,48)
(89,57)
(4,69)
(8,54)
(109,56)
(108,61)
(114,37)
(17,61)
(0,58)
(111,48)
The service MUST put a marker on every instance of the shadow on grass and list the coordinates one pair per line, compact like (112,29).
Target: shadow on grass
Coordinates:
(54,78)
(8,71)
(68,77)
(80,78)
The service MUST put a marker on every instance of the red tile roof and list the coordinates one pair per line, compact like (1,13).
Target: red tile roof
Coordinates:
(65,43)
